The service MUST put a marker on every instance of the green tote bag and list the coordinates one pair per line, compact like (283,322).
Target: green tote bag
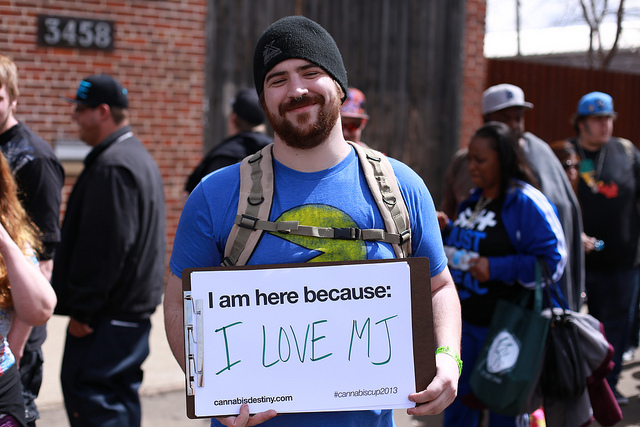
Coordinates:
(506,373)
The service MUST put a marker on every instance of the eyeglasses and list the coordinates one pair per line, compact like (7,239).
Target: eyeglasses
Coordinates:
(569,164)
(352,126)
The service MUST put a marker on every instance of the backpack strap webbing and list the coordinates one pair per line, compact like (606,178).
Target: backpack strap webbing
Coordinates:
(379,174)
(248,227)
(244,236)
(628,149)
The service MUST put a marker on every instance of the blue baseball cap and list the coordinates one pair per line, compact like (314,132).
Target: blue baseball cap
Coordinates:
(596,104)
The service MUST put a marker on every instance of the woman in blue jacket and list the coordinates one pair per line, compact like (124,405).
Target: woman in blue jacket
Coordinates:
(502,229)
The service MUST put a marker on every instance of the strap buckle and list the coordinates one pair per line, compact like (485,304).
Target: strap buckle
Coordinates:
(246,221)
(347,233)
(405,236)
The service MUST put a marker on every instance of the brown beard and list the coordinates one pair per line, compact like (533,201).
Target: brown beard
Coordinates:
(313,134)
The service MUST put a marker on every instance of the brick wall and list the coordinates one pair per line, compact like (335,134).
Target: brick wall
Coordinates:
(475,69)
(159,57)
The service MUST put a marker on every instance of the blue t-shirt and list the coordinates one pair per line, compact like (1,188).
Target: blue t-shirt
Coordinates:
(335,197)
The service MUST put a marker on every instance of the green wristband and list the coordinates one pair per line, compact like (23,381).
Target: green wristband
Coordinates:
(451,352)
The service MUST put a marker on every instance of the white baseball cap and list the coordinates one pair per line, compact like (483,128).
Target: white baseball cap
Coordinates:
(503,96)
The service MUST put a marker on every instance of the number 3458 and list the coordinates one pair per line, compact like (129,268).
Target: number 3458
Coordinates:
(75,32)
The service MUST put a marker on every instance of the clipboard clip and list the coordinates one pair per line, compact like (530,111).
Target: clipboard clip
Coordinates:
(193,342)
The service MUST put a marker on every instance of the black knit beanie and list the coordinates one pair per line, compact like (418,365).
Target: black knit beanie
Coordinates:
(297,37)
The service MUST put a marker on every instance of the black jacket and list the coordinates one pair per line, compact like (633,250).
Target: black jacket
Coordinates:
(228,152)
(111,258)
(40,178)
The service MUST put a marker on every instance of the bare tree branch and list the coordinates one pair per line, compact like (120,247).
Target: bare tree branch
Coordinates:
(606,62)
(600,18)
(597,56)
(585,13)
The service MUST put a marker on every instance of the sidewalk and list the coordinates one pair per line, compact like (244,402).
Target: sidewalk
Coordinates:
(162,391)
(163,396)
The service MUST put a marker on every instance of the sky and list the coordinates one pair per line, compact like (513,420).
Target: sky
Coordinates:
(549,26)
(501,14)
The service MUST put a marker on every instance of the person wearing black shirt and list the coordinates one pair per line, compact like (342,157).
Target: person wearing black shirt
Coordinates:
(609,190)
(502,229)
(110,264)
(40,178)
(246,127)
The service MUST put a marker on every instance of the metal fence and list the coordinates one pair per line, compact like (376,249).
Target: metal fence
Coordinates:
(555,91)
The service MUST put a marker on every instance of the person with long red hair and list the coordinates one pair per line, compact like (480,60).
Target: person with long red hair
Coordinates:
(26,297)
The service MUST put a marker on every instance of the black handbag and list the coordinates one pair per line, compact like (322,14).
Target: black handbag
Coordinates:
(563,375)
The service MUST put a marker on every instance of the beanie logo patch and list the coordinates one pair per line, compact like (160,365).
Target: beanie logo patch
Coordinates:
(270,51)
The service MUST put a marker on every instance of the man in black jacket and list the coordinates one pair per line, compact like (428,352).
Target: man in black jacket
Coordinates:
(247,129)
(109,267)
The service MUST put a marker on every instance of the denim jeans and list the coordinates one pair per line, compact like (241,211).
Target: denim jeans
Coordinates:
(610,296)
(101,374)
(31,376)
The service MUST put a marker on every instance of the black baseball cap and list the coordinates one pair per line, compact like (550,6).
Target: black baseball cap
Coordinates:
(100,89)
(247,106)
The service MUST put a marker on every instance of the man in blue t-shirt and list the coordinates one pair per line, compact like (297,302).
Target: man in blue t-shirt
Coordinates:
(301,81)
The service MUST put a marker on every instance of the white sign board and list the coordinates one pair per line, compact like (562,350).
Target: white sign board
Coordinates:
(319,338)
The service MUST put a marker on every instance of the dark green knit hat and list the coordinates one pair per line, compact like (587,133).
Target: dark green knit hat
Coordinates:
(297,37)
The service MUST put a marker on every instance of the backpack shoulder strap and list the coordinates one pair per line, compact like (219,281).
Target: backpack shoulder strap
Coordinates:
(255,199)
(628,148)
(386,192)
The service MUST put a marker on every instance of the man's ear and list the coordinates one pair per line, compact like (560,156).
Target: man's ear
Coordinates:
(341,93)
(104,110)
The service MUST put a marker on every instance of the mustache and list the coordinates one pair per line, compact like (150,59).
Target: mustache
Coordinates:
(304,101)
